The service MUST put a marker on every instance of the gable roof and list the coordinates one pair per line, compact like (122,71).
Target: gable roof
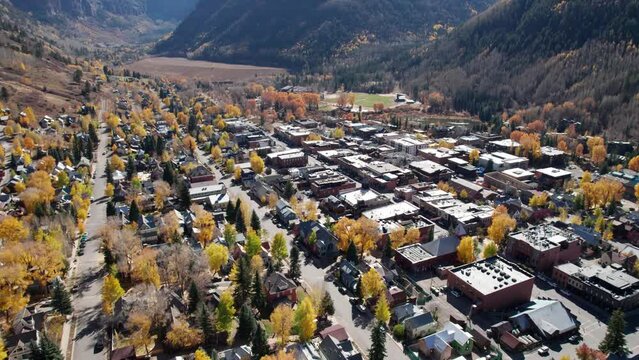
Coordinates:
(442,246)
(276,282)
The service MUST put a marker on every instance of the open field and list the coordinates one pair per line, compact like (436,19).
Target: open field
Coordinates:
(202,70)
(365,100)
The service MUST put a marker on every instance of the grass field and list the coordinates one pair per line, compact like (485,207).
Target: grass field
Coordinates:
(366,100)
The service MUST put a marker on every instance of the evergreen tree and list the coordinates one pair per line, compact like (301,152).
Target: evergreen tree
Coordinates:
(194,297)
(378,343)
(388,250)
(294,271)
(326,307)
(130,168)
(192,125)
(93,134)
(246,323)
(183,193)
(168,174)
(615,341)
(351,253)
(46,350)
(259,297)
(60,299)
(134,212)
(255,221)
(204,320)
(259,346)
(110,209)
(242,290)
(159,147)
(109,173)
(239,220)
(289,190)
(230,213)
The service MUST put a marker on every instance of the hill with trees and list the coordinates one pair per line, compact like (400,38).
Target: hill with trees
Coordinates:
(296,33)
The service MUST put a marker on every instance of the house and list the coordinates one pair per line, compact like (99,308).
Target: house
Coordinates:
(285,213)
(336,345)
(451,341)
(200,174)
(419,325)
(237,353)
(545,318)
(349,275)
(123,353)
(278,286)
(325,242)
(26,329)
(148,229)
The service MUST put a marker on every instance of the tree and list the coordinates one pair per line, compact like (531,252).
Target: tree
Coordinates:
(294,267)
(466,250)
(255,221)
(382,311)
(372,284)
(289,190)
(183,193)
(253,244)
(305,316)
(182,336)
(224,312)
(194,297)
(378,343)
(326,307)
(258,300)
(145,268)
(237,174)
(3,350)
(46,350)
(337,133)
(351,253)
(60,299)
(282,321)
(402,236)
(12,230)
(230,235)
(247,324)
(259,345)
(217,256)
(139,324)
(633,164)
(216,153)
(257,163)
(109,190)
(201,355)
(204,321)
(242,281)
(490,249)
(229,167)
(584,352)
(279,252)
(501,224)
(111,292)
(134,212)
(240,226)
(161,190)
(615,341)
(205,224)
(598,154)
(230,212)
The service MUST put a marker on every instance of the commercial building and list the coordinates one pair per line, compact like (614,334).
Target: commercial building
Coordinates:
(408,145)
(454,212)
(430,171)
(377,174)
(610,286)
(361,200)
(439,155)
(293,135)
(511,181)
(544,246)
(492,283)
(287,159)
(422,257)
(200,194)
(396,211)
(328,182)
(506,145)
(551,156)
(552,178)
(499,160)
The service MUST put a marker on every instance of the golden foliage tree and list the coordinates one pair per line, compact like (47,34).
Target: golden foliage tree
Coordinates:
(633,164)
(161,190)
(139,324)
(466,250)
(282,321)
(182,336)
(402,236)
(382,311)
(363,232)
(216,153)
(372,284)
(305,315)
(501,224)
(205,223)
(12,230)
(490,249)
(598,154)
(145,268)
(217,256)
(280,355)
(201,355)
(257,163)
(111,292)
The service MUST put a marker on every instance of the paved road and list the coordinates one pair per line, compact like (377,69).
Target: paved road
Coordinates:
(87,302)
(357,325)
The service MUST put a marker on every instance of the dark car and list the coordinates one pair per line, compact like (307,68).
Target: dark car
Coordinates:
(342,290)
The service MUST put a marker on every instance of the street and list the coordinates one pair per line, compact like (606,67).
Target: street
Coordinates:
(87,302)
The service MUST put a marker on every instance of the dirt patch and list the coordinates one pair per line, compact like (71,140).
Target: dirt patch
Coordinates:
(201,70)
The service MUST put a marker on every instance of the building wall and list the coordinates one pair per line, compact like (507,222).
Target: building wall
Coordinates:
(543,260)
(504,298)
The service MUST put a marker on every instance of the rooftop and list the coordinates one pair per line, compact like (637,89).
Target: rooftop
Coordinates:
(492,274)
(544,237)
(553,172)
(518,173)
(391,211)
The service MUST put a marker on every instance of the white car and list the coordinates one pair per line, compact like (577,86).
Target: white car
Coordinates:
(543,351)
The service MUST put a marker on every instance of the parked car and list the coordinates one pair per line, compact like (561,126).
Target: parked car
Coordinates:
(455,293)
(342,290)
(543,351)
(361,308)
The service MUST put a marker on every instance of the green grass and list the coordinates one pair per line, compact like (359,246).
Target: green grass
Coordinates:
(367,100)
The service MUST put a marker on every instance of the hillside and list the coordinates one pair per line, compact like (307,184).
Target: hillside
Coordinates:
(298,33)
(526,53)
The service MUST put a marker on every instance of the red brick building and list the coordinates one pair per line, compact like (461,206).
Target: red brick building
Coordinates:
(492,283)
(278,287)
(544,246)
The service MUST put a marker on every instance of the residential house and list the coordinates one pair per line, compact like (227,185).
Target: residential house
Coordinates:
(278,287)
(336,345)
(419,325)
(285,213)
(349,275)
(450,342)
(325,242)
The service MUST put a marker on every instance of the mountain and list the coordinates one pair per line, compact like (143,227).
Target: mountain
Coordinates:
(527,53)
(295,33)
(155,9)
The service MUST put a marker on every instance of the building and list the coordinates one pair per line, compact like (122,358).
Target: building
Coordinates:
(493,283)
(360,200)
(293,135)
(430,171)
(423,257)
(376,174)
(511,181)
(439,155)
(454,212)
(419,325)
(506,145)
(329,182)
(396,211)
(325,242)
(200,194)
(551,156)
(610,286)
(287,159)
(552,178)
(450,342)
(336,345)
(408,145)
(200,174)
(278,287)
(546,318)
(543,246)
(497,161)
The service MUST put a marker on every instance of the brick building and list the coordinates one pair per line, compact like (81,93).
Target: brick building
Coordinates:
(544,246)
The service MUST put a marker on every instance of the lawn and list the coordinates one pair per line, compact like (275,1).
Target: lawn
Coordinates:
(367,100)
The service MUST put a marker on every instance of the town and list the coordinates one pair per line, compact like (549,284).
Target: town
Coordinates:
(149,224)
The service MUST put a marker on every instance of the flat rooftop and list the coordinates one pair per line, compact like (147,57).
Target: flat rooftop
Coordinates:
(544,237)
(391,211)
(553,172)
(428,167)
(491,275)
(414,253)
(354,197)
(518,173)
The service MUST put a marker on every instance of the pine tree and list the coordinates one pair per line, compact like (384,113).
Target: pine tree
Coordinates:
(242,290)
(168,174)
(93,134)
(134,212)
(388,250)
(109,173)
(110,209)
(46,350)
(259,297)
(246,323)
(255,221)
(259,346)
(615,341)
(326,307)
(230,213)
(130,168)
(294,271)
(183,193)
(289,190)
(61,300)
(239,220)
(378,343)
(351,253)
(194,297)
(204,320)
